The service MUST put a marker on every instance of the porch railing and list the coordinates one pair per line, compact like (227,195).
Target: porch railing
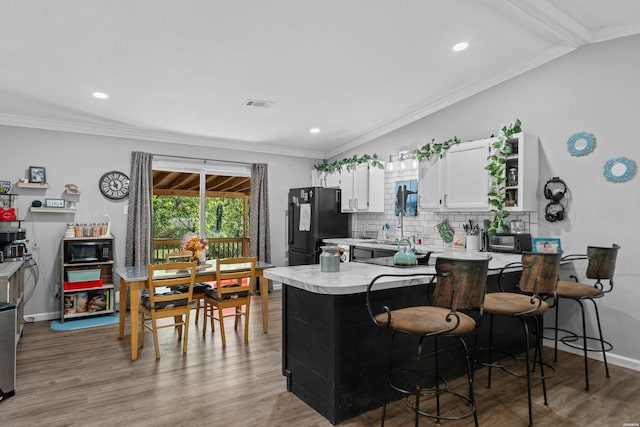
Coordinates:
(218,248)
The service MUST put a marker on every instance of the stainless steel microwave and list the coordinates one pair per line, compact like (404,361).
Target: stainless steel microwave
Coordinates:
(510,242)
(79,251)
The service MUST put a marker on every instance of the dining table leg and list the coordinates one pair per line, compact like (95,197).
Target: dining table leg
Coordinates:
(134,306)
(264,295)
(123,306)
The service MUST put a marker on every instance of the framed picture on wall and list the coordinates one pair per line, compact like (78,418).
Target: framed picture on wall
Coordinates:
(37,175)
(407,197)
(546,246)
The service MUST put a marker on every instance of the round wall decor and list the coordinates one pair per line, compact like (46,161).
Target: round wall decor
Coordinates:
(580,150)
(114,185)
(619,169)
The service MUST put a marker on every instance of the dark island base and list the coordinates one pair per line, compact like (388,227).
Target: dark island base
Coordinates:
(336,360)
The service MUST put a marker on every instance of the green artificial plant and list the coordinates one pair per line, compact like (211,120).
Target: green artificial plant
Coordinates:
(350,162)
(496,166)
(434,148)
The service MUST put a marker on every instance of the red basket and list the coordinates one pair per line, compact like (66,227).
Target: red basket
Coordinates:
(70,286)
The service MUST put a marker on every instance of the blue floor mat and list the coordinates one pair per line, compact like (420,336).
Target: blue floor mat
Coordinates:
(89,322)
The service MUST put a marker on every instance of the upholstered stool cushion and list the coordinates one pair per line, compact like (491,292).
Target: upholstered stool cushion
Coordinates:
(427,319)
(510,303)
(147,302)
(212,293)
(570,289)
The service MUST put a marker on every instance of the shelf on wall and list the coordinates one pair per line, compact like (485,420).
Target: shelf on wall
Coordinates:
(33,185)
(52,210)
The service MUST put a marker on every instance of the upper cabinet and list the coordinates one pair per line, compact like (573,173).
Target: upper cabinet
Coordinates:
(362,189)
(522,173)
(457,179)
(325,179)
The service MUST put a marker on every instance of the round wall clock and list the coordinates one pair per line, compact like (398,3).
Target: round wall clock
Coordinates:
(114,185)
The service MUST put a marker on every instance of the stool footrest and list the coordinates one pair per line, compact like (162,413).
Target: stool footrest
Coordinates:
(576,341)
(465,399)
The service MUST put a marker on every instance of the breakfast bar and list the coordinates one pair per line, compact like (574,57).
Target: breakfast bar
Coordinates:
(333,357)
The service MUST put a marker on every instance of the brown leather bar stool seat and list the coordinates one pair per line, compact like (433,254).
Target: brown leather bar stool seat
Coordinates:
(460,284)
(539,277)
(600,267)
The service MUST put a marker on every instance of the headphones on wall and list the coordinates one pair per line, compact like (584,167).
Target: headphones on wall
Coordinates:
(554,190)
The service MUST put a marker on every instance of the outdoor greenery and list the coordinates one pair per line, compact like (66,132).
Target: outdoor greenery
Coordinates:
(175,216)
(496,167)
(350,162)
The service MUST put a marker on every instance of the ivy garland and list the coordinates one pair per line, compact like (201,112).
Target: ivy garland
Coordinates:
(434,148)
(349,163)
(496,166)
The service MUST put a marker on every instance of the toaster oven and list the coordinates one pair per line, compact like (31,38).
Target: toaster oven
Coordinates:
(515,243)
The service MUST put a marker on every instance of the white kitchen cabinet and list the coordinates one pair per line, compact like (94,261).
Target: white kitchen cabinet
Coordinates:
(466,181)
(325,179)
(521,191)
(362,188)
(429,183)
(457,179)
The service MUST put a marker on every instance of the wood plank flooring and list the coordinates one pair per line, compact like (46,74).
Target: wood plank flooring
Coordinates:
(86,378)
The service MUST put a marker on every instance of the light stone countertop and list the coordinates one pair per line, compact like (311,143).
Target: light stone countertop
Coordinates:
(354,277)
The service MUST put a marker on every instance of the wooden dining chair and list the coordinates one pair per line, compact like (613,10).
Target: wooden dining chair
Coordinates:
(164,300)
(198,288)
(234,278)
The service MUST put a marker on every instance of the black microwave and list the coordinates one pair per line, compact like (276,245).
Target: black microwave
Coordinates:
(77,252)
(510,242)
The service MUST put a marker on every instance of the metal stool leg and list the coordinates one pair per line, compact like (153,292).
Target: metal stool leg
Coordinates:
(604,352)
(526,357)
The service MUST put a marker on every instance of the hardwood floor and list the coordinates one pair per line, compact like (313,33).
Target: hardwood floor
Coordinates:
(86,378)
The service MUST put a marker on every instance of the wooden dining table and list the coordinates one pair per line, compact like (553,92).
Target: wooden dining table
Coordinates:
(134,280)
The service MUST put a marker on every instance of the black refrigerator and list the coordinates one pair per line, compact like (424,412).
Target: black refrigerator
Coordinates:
(314,214)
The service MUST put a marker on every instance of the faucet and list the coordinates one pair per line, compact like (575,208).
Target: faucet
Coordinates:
(401,201)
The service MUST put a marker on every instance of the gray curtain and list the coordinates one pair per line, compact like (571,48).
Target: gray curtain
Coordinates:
(139,236)
(259,214)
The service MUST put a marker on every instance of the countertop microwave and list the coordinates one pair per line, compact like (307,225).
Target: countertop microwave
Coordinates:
(77,252)
(515,243)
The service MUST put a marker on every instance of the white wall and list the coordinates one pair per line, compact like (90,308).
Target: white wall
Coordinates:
(82,159)
(595,90)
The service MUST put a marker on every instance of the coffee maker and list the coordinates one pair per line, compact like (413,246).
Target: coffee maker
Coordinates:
(13,241)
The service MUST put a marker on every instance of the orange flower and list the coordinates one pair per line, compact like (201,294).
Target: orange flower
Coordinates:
(196,244)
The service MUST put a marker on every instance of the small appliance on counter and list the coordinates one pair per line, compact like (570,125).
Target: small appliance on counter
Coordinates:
(514,243)
(13,241)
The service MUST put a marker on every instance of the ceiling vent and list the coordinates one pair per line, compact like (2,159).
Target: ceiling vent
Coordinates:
(258,104)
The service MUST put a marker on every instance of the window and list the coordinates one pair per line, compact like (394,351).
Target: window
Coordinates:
(183,188)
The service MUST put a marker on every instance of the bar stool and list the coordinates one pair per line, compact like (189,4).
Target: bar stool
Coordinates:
(601,266)
(459,285)
(539,277)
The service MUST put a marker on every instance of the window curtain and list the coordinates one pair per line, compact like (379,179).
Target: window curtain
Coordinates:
(139,239)
(259,214)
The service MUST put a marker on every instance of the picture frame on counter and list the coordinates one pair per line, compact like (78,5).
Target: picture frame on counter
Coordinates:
(546,245)
(37,175)
(55,203)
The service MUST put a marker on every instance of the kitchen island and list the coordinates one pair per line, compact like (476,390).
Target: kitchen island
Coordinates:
(333,356)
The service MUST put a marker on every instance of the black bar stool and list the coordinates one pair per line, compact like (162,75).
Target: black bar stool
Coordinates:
(601,266)
(539,277)
(459,285)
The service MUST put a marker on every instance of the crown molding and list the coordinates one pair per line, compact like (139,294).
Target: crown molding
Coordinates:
(154,135)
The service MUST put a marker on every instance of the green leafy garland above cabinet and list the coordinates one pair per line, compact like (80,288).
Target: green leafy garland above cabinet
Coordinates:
(350,162)
(434,148)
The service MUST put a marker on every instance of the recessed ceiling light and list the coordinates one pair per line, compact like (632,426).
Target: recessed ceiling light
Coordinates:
(100,95)
(460,46)
(314,130)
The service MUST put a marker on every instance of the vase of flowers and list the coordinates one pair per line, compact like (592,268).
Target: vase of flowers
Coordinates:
(198,247)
